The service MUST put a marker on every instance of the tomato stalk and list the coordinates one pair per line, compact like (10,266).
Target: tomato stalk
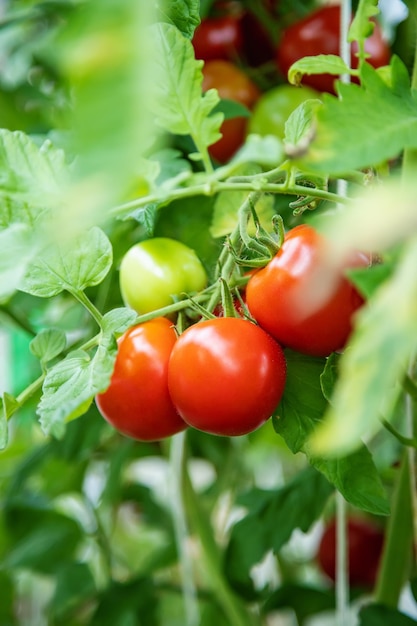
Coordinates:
(234,610)
(189,592)
(254,183)
(397,548)
(86,302)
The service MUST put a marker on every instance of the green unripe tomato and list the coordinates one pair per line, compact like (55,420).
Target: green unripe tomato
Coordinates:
(274,108)
(155,271)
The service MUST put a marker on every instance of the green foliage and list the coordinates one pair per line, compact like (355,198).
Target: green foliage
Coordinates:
(377,615)
(272,517)
(105,142)
(179,104)
(298,416)
(366,125)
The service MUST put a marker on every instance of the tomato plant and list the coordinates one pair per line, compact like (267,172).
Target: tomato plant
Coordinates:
(155,271)
(226,376)
(107,139)
(274,107)
(231,84)
(285,298)
(365,543)
(319,33)
(137,402)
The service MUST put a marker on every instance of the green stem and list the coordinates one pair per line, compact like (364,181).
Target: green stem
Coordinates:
(410,154)
(216,187)
(86,302)
(396,555)
(178,466)
(406,441)
(27,394)
(234,610)
(410,387)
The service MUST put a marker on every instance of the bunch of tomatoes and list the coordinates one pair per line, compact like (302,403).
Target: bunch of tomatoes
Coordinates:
(248,64)
(224,374)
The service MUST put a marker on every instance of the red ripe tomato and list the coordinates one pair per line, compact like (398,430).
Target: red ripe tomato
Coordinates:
(232,84)
(301,299)
(318,33)
(226,376)
(365,544)
(218,38)
(137,402)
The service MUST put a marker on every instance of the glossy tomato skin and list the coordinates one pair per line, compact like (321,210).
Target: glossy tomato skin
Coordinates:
(274,107)
(232,84)
(137,402)
(301,299)
(226,376)
(156,270)
(365,544)
(318,33)
(218,38)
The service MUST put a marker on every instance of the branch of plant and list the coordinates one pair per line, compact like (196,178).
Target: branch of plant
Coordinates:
(396,557)
(214,187)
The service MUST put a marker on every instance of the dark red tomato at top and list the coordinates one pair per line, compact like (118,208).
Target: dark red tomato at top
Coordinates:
(137,402)
(226,376)
(232,84)
(319,33)
(301,298)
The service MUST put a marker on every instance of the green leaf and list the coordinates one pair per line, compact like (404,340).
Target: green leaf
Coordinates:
(361,26)
(48,344)
(184,14)
(51,539)
(356,478)
(74,585)
(71,384)
(272,517)
(381,615)
(31,178)
(146,216)
(8,599)
(368,280)
(172,167)
(299,124)
(301,413)
(15,255)
(266,151)
(118,320)
(366,125)
(73,268)
(231,108)
(179,104)
(304,599)
(303,404)
(371,369)
(129,603)
(329,375)
(320,64)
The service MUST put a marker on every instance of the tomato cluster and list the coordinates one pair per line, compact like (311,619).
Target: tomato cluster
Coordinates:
(234,45)
(225,375)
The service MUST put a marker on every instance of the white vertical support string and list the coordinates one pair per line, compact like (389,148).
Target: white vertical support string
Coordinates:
(342,564)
